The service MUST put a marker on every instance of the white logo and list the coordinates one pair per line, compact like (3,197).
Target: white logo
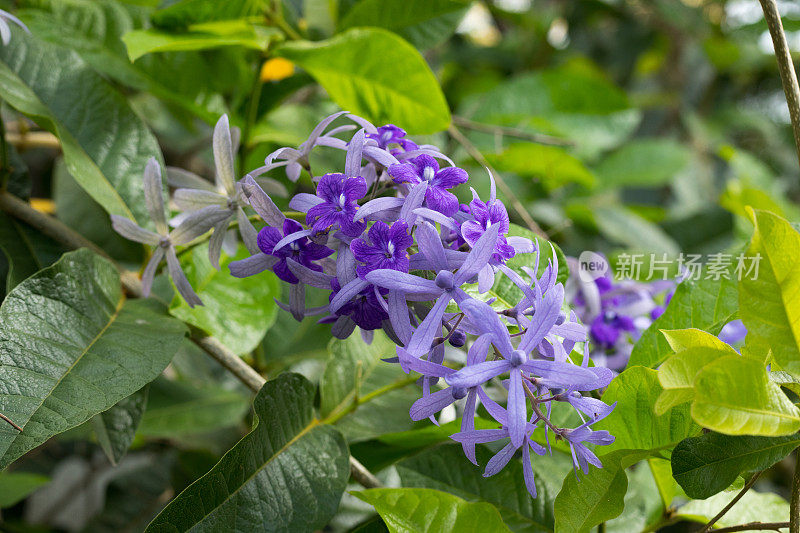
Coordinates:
(591,266)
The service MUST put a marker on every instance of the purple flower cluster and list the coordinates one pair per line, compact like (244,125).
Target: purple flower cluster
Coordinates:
(397,252)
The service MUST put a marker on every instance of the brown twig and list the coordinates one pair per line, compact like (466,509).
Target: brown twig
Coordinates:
(459,137)
(785,66)
(505,131)
(4,417)
(754,526)
(731,503)
(794,504)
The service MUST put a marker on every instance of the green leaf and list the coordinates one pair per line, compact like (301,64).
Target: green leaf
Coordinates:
(643,163)
(623,226)
(589,499)
(240,327)
(695,349)
(634,422)
(554,167)
(73,347)
(186,12)
(178,409)
(410,510)
(662,475)
(288,474)
(423,23)
(16,486)
(753,507)
(768,304)
(203,36)
(26,249)
(708,464)
(733,395)
(705,304)
(445,468)
(116,427)
(375,74)
(109,171)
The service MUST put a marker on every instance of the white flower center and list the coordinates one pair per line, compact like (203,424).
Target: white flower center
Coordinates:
(342,200)
(390,248)
(428,173)
(386,136)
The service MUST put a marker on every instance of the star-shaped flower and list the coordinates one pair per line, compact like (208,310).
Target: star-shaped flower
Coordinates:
(425,168)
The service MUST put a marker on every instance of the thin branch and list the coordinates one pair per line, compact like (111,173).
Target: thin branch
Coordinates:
(785,66)
(754,526)
(505,131)
(364,477)
(4,417)
(459,137)
(794,506)
(70,238)
(33,139)
(731,503)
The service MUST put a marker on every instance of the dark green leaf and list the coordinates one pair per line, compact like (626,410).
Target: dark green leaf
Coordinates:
(116,427)
(647,162)
(410,510)
(708,464)
(186,12)
(26,250)
(16,486)
(288,474)
(72,346)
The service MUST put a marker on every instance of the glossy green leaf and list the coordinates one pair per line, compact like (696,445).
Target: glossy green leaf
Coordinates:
(769,306)
(445,468)
(423,23)
(16,486)
(705,304)
(178,409)
(73,347)
(203,36)
(26,250)
(288,474)
(634,422)
(111,172)
(708,464)
(116,427)
(753,507)
(376,74)
(647,162)
(240,327)
(409,510)
(598,496)
(183,13)
(551,165)
(733,395)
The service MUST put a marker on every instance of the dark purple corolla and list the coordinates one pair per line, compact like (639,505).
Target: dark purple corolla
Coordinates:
(302,250)
(484,215)
(425,168)
(338,206)
(385,248)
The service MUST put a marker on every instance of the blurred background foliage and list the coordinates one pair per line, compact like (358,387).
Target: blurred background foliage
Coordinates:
(619,125)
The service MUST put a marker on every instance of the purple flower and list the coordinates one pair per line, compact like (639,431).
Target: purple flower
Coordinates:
(338,207)
(425,168)
(363,310)
(606,329)
(484,216)
(5,29)
(391,134)
(385,249)
(733,332)
(302,250)
(582,456)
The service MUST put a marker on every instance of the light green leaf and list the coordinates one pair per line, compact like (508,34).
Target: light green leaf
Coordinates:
(662,475)
(288,474)
(203,36)
(769,305)
(646,162)
(16,486)
(634,422)
(178,409)
(240,327)
(753,507)
(733,395)
(73,347)
(116,427)
(375,74)
(412,510)
(597,496)
(445,468)
(623,226)
(705,304)
(553,166)
(110,171)
(423,23)
(708,464)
